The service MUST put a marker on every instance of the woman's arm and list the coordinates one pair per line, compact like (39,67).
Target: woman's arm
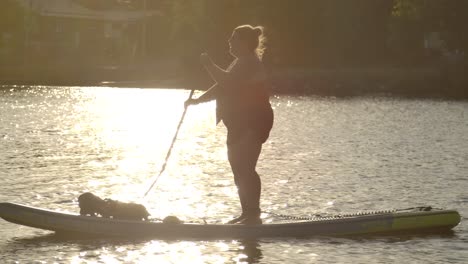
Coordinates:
(219,75)
(207,96)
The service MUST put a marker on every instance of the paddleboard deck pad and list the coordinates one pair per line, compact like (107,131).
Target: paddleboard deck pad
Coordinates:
(420,219)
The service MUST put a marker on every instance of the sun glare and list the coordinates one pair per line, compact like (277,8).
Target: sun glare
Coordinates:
(137,126)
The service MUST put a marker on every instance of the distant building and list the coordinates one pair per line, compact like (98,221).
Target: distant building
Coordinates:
(65,30)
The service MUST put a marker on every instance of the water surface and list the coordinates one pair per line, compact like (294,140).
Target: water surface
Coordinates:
(325,155)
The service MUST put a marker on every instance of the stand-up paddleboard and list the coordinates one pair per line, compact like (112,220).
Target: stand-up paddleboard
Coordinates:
(421,219)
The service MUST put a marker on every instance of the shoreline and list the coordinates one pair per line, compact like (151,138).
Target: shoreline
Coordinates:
(422,82)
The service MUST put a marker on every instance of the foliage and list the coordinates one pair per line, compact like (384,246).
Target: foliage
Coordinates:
(300,33)
(11,31)
(412,19)
(11,17)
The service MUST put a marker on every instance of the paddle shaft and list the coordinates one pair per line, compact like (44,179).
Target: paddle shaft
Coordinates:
(170,148)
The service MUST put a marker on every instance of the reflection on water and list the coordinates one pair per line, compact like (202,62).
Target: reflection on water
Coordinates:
(90,250)
(144,251)
(252,251)
(325,156)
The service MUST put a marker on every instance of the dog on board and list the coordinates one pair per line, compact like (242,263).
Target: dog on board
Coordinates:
(172,220)
(93,205)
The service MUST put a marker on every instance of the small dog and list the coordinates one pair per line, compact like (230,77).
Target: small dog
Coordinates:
(93,205)
(172,220)
(127,211)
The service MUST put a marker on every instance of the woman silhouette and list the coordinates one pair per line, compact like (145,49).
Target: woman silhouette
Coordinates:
(242,103)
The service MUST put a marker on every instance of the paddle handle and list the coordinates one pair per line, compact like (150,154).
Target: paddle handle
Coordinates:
(172,145)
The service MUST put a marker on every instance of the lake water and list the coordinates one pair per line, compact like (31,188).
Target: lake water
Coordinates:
(325,155)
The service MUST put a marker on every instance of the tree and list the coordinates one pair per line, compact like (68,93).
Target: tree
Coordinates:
(11,17)
(419,17)
(12,20)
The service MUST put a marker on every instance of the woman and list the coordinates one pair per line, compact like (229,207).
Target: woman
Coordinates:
(242,103)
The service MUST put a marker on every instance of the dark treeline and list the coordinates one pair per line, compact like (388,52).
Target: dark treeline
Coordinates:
(302,34)
(321,33)
(410,47)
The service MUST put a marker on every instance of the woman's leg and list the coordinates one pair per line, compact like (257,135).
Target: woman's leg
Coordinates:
(243,156)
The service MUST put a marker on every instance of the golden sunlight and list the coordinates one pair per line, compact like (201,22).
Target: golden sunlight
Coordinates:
(137,126)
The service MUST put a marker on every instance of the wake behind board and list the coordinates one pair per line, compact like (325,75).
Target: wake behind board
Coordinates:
(396,221)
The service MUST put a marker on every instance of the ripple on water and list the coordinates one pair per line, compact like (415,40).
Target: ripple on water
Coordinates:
(325,155)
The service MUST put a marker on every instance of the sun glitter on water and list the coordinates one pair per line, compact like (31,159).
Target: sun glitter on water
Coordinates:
(137,126)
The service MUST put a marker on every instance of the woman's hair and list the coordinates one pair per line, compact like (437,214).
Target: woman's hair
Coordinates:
(254,38)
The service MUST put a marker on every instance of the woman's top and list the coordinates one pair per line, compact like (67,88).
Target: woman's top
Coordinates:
(242,99)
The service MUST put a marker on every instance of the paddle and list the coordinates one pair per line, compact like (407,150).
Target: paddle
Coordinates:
(172,145)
